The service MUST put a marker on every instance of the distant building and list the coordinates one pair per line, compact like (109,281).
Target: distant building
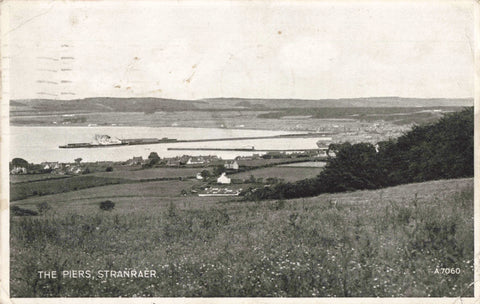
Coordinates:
(50,165)
(232,165)
(322,153)
(173,162)
(75,170)
(135,161)
(18,170)
(199,176)
(195,161)
(223,179)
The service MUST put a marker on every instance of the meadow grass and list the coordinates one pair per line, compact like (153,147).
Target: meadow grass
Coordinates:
(25,178)
(19,191)
(151,173)
(132,190)
(378,243)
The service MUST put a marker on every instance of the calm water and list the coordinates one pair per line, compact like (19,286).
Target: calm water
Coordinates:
(38,144)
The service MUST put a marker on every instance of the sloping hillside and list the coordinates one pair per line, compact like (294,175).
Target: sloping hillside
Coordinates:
(396,241)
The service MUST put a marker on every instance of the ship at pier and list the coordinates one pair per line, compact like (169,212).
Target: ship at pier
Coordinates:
(107,141)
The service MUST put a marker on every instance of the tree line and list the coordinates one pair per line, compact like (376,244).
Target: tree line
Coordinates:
(440,150)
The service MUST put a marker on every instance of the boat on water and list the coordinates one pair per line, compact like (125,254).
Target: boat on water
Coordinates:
(324,142)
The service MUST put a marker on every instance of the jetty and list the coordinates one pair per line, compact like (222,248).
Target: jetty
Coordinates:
(252,149)
(105,141)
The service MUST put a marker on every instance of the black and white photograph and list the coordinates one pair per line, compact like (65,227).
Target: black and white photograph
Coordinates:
(238,149)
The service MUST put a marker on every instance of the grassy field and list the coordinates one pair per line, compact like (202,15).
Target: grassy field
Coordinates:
(19,191)
(384,243)
(288,174)
(155,189)
(311,164)
(25,178)
(268,162)
(36,185)
(151,173)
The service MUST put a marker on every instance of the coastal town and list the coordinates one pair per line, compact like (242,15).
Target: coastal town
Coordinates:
(214,176)
(252,168)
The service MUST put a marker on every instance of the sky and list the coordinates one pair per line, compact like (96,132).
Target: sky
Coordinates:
(253,49)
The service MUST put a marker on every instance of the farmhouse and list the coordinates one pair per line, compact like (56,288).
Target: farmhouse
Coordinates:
(50,165)
(223,179)
(75,170)
(173,162)
(18,170)
(232,165)
(135,161)
(195,161)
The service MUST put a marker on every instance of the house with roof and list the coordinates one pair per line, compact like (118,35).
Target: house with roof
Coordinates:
(173,162)
(224,179)
(195,160)
(50,165)
(18,170)
(232,165)
(135,161)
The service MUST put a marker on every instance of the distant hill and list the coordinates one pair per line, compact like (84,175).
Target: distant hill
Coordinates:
(343,102)
(107,104)
(151,104)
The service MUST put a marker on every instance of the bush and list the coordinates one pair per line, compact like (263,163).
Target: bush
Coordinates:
(109,169)
(107,205)
(153,158)
(43,207)
(15,210)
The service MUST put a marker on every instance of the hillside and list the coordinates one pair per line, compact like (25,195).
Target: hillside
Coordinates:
(104,104)
(371,243)
(388,101)
(151,104)
(439,150)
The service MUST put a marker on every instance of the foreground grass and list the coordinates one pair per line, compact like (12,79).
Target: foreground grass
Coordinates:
(367,243)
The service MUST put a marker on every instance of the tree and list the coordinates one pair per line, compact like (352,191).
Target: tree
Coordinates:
(154,158)
(439,150)
(19,162)
(218,170)
(78,160)
(205,174)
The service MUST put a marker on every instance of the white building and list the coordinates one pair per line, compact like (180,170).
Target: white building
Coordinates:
(233,165)
(20,170)
(195,161)
(223,179)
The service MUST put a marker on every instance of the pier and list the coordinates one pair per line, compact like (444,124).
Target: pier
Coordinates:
(152,141)
(245,149)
